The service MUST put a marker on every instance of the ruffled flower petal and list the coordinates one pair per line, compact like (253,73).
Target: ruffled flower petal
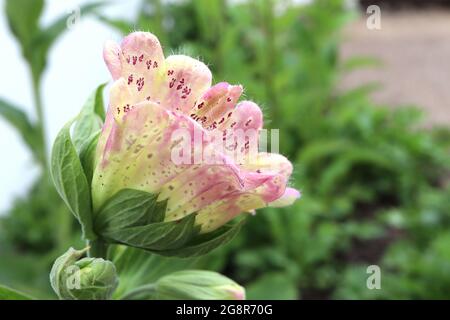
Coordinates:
(139,153)
(220,212)
(112,54)
(186,80)
(288,198)
(140,61)
(137,136)
(265,162)
(246,116)
(265,182)
(216,105)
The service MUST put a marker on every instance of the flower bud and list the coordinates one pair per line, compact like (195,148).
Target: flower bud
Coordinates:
(198,285)
(73,278)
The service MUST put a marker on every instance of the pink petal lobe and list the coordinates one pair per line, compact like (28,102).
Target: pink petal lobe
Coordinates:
(186,79)
(140,61)
(288,198)
(246,115)
(215,104)
(112,54)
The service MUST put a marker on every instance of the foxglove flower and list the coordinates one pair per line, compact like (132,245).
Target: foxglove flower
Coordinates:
(153,98)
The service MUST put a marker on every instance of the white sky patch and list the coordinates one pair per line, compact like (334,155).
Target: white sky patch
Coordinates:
(75,68)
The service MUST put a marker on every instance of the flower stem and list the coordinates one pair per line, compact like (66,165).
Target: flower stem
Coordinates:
(98,249)
(147,289)
(40,119)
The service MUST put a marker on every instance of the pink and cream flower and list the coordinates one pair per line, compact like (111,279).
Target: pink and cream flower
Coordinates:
(152,97)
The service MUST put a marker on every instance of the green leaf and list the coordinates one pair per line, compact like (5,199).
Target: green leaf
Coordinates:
(127,208)
(95,103)
(156,236)
(87,155)
(122,26)
(90,119)
(135,218)
(273,286)
(86,128)
(70,180)
(11,294)
(360,62)
(99,105)
(17,118)
(207,242)
(338,170)
(23,19)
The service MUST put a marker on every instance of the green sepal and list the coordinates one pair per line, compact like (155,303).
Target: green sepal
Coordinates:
(204,243)
(135,218)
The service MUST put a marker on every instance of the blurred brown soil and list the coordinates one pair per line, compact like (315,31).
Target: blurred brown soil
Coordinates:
(414,50)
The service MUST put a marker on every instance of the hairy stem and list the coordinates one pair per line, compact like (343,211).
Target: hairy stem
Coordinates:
(98,249)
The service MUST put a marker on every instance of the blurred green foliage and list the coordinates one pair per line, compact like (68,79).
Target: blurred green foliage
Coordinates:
(38,226)
(375,184)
